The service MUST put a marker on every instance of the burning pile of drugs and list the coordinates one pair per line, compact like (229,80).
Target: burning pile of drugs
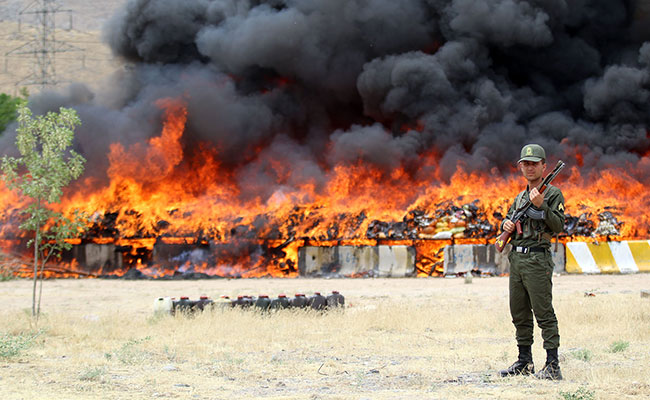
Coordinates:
(447,222)
(578,226)
(170,306)
(361,129)
(608,225)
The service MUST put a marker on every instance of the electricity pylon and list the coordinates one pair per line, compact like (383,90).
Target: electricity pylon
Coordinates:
(44,46)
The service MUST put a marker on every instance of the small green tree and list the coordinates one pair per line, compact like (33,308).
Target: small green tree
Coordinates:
(45,167)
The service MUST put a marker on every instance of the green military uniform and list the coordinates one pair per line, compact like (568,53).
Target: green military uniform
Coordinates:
(531,268)
(531,272)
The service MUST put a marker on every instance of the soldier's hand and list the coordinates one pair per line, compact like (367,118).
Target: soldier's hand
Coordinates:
(508,226)
(536,198)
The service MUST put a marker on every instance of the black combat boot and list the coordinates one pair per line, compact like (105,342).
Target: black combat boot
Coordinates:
(551,369)
(523,365)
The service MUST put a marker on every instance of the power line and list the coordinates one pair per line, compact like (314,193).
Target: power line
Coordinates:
(44,46)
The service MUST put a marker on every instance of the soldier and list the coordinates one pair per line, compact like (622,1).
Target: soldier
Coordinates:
(531,267)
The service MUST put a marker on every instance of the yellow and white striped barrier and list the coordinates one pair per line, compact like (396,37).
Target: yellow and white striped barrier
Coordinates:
(608,257)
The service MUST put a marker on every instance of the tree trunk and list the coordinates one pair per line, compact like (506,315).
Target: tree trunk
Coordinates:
(37,240)
(40,286)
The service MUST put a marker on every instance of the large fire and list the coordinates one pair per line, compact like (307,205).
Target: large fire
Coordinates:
(161,192)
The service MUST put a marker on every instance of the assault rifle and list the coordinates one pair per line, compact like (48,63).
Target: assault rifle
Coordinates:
(520,213)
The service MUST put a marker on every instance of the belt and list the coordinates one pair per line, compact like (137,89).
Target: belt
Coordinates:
(526,250)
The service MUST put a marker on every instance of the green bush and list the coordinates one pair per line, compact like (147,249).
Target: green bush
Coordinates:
(92,374)
(8,106)
(130,353)
(581,394)
(12,345)
(582,354)
(619,346)
(5,274)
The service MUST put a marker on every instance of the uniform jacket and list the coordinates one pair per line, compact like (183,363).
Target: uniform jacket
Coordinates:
(538,232)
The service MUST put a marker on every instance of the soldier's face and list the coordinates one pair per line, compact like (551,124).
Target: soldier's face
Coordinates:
(532,170)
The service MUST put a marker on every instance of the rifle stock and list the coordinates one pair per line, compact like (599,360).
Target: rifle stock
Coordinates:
(502,240)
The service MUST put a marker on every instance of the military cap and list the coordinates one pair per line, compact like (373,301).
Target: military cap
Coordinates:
(532,152)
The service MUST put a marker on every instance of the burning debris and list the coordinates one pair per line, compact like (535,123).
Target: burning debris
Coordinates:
(213,155)
(242,251)
(447,222)
(579,226)
(584,225)
(608,225)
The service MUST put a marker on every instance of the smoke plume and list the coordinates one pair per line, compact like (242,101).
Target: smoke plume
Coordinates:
(321,83)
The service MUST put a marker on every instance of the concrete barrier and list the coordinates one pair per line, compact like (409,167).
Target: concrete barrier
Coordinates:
(463,258)
(353,260)
(393,261)
(94,257)
(376,261)
(608,257)
(316,260)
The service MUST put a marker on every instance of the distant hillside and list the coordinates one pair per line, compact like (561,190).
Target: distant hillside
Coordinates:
(87,15)
(91,64)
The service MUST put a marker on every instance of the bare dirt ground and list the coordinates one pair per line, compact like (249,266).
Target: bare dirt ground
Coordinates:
(435,338)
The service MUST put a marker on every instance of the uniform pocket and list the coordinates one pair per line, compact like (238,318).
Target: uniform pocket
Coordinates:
(540,263)
(549,261)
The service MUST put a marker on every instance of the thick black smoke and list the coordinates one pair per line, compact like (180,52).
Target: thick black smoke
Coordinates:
(319,83)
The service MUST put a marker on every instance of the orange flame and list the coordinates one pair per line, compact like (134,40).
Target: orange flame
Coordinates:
(158,195)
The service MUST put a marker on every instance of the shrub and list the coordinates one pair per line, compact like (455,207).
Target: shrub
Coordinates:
(582,354)
(6,274)
(8,108)
(619,346)
(92,374)
(129,353)
(581,394)
(12,345)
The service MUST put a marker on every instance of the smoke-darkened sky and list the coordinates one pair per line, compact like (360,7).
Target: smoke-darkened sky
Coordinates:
(320,83)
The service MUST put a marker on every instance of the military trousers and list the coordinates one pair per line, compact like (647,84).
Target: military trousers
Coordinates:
(531,294)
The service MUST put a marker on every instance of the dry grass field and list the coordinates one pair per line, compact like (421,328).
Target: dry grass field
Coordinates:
(397,338)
